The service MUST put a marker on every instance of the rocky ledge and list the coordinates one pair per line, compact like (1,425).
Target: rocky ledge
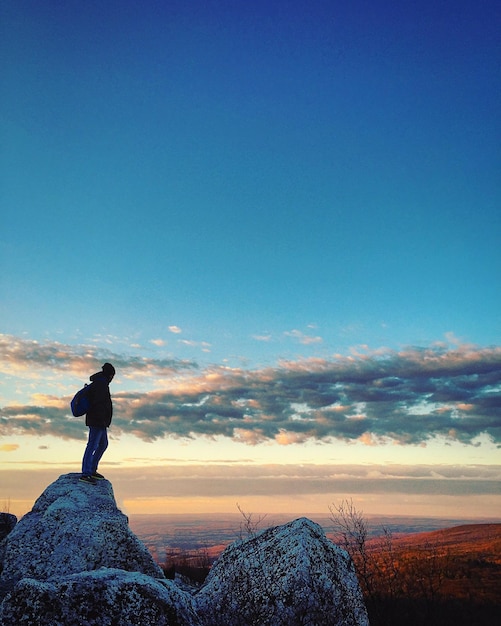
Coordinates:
(73,560)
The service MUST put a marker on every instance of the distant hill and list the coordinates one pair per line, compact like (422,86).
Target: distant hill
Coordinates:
(470,555)
(461,539)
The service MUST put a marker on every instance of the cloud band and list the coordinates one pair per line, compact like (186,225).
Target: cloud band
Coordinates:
(408,397)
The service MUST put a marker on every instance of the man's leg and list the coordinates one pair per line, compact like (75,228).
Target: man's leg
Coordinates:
(102,444)
(89,451)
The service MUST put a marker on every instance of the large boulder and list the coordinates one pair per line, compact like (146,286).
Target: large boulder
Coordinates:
(73,560)
(73,527)
(288,575)
(106,597)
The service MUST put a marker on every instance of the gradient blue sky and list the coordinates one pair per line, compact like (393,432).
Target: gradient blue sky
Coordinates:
(230,199)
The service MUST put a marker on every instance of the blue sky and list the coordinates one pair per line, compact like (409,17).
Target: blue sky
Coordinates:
(234,192)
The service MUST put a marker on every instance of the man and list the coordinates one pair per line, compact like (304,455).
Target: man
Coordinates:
(98,419)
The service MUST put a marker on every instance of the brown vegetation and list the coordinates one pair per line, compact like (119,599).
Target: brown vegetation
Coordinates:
(447,577)
(193,565)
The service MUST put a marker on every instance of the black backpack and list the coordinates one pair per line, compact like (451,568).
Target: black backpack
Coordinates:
(81,402)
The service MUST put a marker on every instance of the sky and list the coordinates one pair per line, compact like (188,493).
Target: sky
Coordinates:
(280,221)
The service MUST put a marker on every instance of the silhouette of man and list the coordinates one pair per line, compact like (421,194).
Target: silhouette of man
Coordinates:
(98,419)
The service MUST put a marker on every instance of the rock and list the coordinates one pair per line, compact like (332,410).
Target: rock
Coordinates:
(74,561)
(73,528)
(7,523)
(106,597)
(288,575)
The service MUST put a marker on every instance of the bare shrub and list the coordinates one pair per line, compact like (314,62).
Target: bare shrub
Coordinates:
(249,526)
(399,585)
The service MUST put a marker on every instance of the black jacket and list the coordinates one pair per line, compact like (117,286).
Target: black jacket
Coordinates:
(101,408)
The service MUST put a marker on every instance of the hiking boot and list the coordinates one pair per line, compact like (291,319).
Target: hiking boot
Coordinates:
(88,479)
(97,476)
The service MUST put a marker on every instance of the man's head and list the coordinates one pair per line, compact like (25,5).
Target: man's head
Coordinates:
(109,371)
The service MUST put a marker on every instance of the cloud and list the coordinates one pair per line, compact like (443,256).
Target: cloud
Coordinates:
(175,329)
(9,447)
(158,342)
(407,397)
(29,357)
(237,481)
(276,480)
(196,344)
(302,338)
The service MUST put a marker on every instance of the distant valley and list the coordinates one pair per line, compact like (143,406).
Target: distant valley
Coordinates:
(169,534)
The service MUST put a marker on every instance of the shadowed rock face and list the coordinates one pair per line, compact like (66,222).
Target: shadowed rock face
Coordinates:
(284,576)
(73,560)
(7,523)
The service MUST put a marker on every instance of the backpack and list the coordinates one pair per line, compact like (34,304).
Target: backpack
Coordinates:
(81,402)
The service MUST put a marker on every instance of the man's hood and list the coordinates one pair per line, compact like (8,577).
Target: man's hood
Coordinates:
(98,376)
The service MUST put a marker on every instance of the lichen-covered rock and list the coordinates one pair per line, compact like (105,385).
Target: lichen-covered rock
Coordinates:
(287,575)
(73,527)
(106,597)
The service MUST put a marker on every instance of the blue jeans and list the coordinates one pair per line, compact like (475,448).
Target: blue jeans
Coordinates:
(97,444)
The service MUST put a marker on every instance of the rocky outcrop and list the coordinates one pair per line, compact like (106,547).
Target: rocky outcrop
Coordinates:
(289,575)
(73,560)
(72,528)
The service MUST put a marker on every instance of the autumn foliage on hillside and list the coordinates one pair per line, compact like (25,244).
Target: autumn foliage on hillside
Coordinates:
(447,577)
